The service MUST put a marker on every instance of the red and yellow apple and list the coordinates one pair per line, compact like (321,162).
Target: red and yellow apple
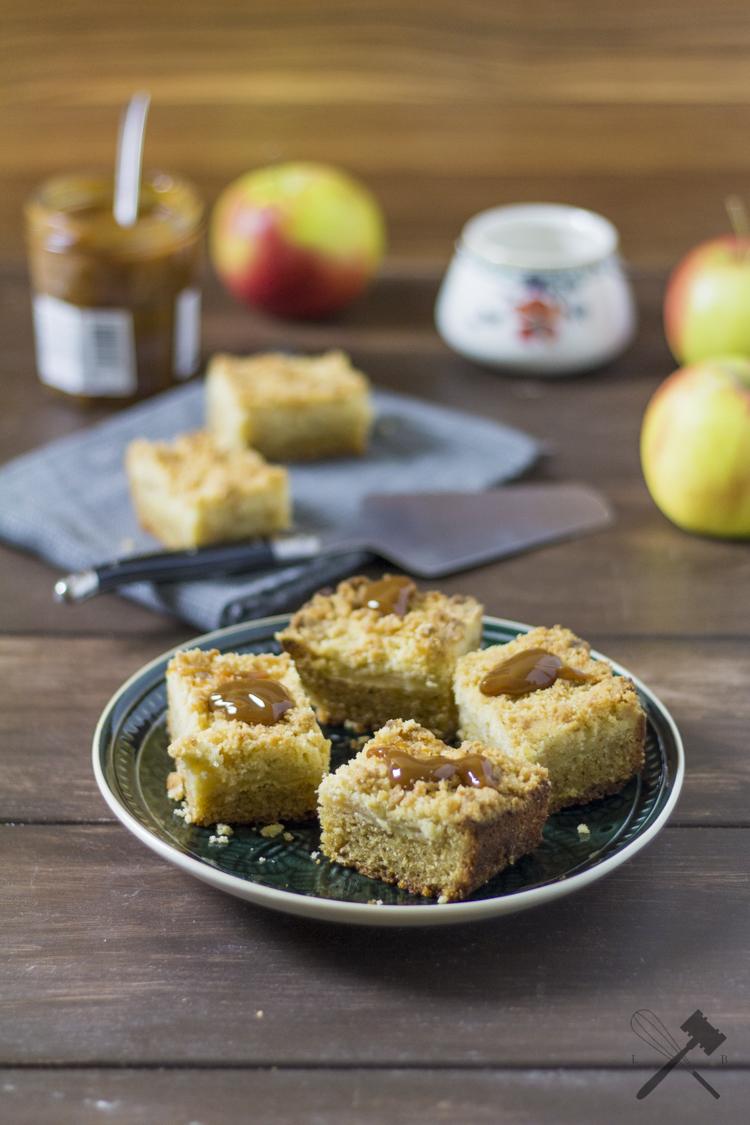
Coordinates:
(298,240)
(695,447)
(707,303)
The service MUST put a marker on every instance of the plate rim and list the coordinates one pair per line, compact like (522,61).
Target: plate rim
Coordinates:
(337,910)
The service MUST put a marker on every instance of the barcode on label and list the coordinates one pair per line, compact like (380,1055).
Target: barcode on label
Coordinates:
(85,351)
(106,346)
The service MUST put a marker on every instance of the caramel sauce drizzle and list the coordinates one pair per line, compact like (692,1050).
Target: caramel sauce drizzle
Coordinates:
(389,595)
(251,699)
(532,669)
(405,770)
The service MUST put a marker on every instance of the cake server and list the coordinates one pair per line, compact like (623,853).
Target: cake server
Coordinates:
(428,534)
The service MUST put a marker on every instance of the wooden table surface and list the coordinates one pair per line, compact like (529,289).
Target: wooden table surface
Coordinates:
(130,991)
(129,983)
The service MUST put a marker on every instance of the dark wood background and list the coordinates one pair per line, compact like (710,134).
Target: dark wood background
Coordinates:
(641,109)
(129,990)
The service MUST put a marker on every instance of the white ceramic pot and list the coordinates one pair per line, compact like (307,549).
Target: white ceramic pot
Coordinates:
(537,288)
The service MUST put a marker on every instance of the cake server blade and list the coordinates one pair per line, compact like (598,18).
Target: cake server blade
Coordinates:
(428,534)
(435,534)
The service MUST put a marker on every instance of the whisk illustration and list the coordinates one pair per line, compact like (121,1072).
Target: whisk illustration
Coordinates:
(650,1029)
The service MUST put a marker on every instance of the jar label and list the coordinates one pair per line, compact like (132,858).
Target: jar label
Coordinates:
(85,351)
(187,333)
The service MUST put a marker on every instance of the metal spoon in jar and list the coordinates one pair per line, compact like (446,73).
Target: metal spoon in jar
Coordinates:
(129,156)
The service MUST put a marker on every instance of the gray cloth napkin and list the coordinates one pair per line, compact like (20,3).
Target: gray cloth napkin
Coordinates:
(69,502)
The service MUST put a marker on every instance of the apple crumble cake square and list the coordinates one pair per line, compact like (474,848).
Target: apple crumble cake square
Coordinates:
(291,408)
(246,744)
(563,710)
(189,493)
(436,820)
(369,651)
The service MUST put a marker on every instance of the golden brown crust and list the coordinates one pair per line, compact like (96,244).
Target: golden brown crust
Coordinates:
(498,845)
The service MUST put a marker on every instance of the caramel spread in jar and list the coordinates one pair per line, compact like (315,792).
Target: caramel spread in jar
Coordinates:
(116,308)
(389,595)
(251,699)
(405,770)
(532,669)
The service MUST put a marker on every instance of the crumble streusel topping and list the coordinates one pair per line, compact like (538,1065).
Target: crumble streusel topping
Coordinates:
(442,802)
(342,621)
(194,467)
(277,378)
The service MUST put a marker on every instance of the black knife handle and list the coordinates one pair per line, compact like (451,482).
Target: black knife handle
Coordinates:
(178,566)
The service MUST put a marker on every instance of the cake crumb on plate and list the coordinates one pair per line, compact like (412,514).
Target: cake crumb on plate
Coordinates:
(272,830)
(175,786)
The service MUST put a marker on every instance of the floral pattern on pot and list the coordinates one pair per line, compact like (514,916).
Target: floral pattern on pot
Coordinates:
(543,306)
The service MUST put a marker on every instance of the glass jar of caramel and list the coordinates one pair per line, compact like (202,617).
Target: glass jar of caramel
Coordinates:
(116,308)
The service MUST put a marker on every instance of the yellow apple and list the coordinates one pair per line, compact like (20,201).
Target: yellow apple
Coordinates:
(695,447)
(707,303)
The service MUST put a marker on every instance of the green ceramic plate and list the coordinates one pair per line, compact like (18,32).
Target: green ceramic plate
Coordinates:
(131,764)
